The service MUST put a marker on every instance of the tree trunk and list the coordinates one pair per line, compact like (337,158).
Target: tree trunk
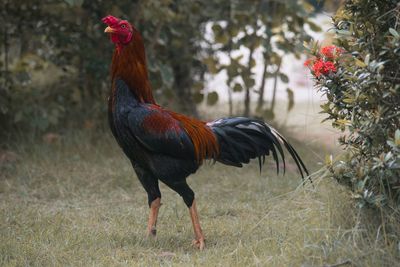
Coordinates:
(275,88)
(260,102)
(230,100)
(247,99)
(246,112)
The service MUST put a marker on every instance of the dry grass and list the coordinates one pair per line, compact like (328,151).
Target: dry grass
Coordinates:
(78,203)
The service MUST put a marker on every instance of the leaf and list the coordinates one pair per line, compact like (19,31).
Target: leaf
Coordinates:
(290,95)
(388,156)
(343,32)
(348,100)
(198,97)
(222,38)
(212,65)
(343,122)
(252,63)
(212,98)
(167,75)
(367,59)
(360,63)
(248,81)
(237,87)
(284,77)
(314,27)
(397,137)
(308,7)
(217,29)
(394,33)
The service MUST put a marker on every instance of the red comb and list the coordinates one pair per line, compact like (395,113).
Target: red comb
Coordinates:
(110,20)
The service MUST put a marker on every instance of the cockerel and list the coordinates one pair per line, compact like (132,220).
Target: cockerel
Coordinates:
(168,146)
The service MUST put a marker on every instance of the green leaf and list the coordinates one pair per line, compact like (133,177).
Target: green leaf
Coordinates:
(237,87)
(217,29)
(394,33)
(222,38)
(397,137)
(367,59)
(284,77)
(252,63)
(198,97)
(308,7)
(248,81)
(212,98)
(314,27)
(348,100)
(212,65)
(360,63)
(167,75)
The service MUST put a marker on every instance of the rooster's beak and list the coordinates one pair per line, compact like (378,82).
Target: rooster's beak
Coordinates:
(109,30)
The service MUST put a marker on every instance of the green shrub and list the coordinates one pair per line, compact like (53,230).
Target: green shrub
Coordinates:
(361,81)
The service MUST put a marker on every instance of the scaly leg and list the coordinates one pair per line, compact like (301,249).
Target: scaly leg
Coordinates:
(151,226)
(199,242)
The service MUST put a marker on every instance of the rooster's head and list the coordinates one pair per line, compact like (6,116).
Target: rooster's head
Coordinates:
(120,30)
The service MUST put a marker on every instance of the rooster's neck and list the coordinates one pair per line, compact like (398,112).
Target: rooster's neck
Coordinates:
(129,64)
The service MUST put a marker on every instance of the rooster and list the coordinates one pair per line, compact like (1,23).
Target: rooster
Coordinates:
(166,146)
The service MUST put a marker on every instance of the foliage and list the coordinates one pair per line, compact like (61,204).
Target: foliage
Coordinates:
(55,57)
(363,91)
(277,28)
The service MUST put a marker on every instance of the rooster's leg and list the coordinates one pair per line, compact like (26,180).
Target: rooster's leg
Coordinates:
(183,189)
(151,226)
(199,242)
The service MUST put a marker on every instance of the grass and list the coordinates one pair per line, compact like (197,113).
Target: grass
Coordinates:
(77,202)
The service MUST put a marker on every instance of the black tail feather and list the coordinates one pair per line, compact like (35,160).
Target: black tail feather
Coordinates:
(242,139)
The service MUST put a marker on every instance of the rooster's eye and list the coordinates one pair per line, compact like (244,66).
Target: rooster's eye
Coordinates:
(123,26)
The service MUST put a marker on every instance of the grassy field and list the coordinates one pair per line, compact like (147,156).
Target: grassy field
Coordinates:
(77,202)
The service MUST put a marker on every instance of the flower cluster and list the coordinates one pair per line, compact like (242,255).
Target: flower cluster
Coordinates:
(331,51)
(324,62)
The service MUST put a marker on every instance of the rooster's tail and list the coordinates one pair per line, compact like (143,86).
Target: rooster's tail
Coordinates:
(241,139)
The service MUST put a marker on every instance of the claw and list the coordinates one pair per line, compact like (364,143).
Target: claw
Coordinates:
(199,243)
(151,232)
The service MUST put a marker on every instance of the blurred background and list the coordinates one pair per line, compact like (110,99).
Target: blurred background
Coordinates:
(206,58)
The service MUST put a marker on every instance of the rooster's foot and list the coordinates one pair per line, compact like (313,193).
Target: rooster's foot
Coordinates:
(199,243)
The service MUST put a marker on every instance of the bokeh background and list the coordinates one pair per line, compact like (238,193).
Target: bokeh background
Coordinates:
(223,57)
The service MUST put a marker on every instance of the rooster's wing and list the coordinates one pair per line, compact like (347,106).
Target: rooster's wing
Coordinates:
(159,132)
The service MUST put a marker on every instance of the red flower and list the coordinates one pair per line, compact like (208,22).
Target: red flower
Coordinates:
(308,62)
(318,67)
(329,67)
(331,51)
(323,67)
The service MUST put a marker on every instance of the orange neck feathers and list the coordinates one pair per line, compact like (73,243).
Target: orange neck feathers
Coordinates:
(129,64)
